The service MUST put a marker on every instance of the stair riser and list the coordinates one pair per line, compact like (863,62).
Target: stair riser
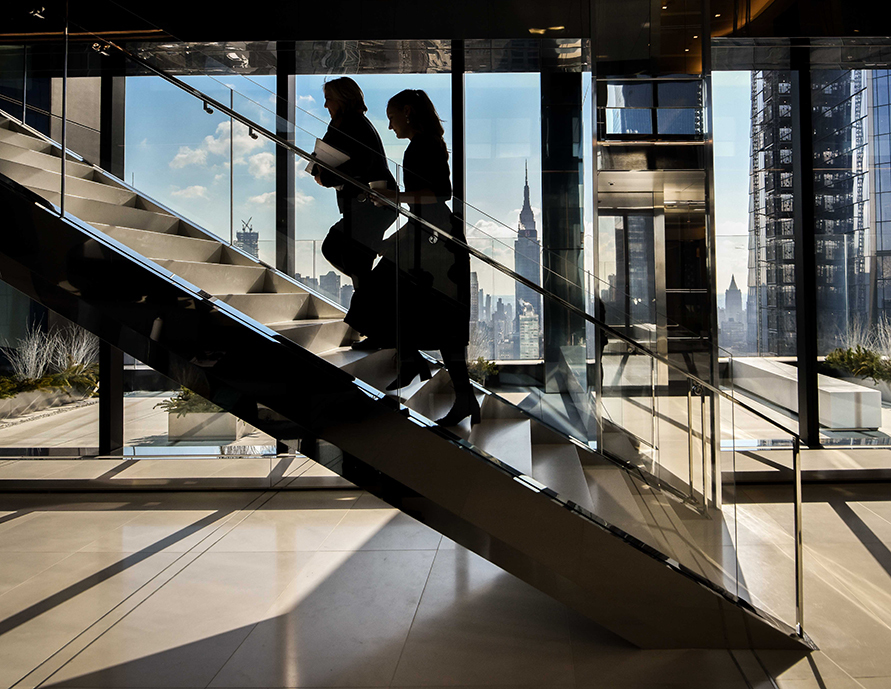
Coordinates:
(319,338)
(157,245)
(44,181)
(217,278)
(109,214)
(269,308)
(24,141)
(43,161)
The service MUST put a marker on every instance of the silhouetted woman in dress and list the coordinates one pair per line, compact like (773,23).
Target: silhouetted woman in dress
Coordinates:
(356,239)
(433,276)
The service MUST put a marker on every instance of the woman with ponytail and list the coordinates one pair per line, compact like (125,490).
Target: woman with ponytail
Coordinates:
(432,273)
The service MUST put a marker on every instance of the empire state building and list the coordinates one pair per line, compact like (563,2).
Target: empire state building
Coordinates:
(527,262)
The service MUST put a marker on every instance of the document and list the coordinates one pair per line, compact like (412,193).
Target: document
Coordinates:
(328,155)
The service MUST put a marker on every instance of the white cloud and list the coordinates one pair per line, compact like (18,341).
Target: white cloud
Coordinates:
(262,165)
(188,156)
(193,192)
(485,229)
(242,144)
(267,199)
(301,199)
(732,228)
(305,101)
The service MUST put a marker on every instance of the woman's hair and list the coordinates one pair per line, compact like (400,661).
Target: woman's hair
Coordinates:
(345,90)
(423,114)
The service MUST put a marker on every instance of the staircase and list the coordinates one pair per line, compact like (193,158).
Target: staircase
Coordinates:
(259,344)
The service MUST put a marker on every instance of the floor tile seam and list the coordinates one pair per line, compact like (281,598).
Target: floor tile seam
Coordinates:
(763,667)
(844,591)
(285,481)
(136,515)
(305,466)
(841,669)
(334,528)
(234,651)
(37,574)
(93,625)
(181,556)
(414,617)
(866,506)
(743,674)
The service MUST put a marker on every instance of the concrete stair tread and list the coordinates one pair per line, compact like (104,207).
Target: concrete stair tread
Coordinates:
(270,307)
(22,140)
(557,466)
(75,186)
(218,278)
(302,323)
(506,439)
(44,161)
(317,335)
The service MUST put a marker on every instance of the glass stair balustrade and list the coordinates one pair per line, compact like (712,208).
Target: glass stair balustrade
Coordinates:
(513,488)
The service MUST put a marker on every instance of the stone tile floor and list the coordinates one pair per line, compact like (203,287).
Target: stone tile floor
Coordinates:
(336,589)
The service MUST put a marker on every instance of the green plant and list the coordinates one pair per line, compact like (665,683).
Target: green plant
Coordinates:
(187,402)
(862,362)
(481,369)
(81,377)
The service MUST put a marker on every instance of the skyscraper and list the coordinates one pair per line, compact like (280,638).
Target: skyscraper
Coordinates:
(733,301)
(527,262)
(843,239)
(248,239)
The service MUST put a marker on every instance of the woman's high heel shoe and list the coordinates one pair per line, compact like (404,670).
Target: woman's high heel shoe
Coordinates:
(465,405)
(407,372)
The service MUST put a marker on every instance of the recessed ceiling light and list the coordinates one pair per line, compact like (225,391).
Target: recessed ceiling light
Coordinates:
(717,15)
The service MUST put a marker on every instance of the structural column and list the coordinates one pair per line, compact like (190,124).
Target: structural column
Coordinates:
(805,247)
(111,158)
(285,172)
(458,156)
(562,231)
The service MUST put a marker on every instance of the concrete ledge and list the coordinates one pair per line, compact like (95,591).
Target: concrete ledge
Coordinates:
(842,404)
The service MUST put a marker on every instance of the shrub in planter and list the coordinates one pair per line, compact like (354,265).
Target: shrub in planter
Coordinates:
(861,362)
(482,369)
(187,402)
(191,417)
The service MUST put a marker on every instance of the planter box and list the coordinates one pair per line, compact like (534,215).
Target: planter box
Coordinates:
(205,426)
(882,386)
(36,400)
(843,405)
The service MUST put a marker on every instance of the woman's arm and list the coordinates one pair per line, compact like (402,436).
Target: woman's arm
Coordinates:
(411,197)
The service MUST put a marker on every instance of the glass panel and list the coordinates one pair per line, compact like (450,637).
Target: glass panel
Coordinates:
(48,380)
(629,121)
(629,96)
(179,151)
(679,94)
(503,175)
(678,121)
(12,80)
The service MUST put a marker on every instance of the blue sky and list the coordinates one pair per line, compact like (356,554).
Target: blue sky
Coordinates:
(732,130)
(179,155)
